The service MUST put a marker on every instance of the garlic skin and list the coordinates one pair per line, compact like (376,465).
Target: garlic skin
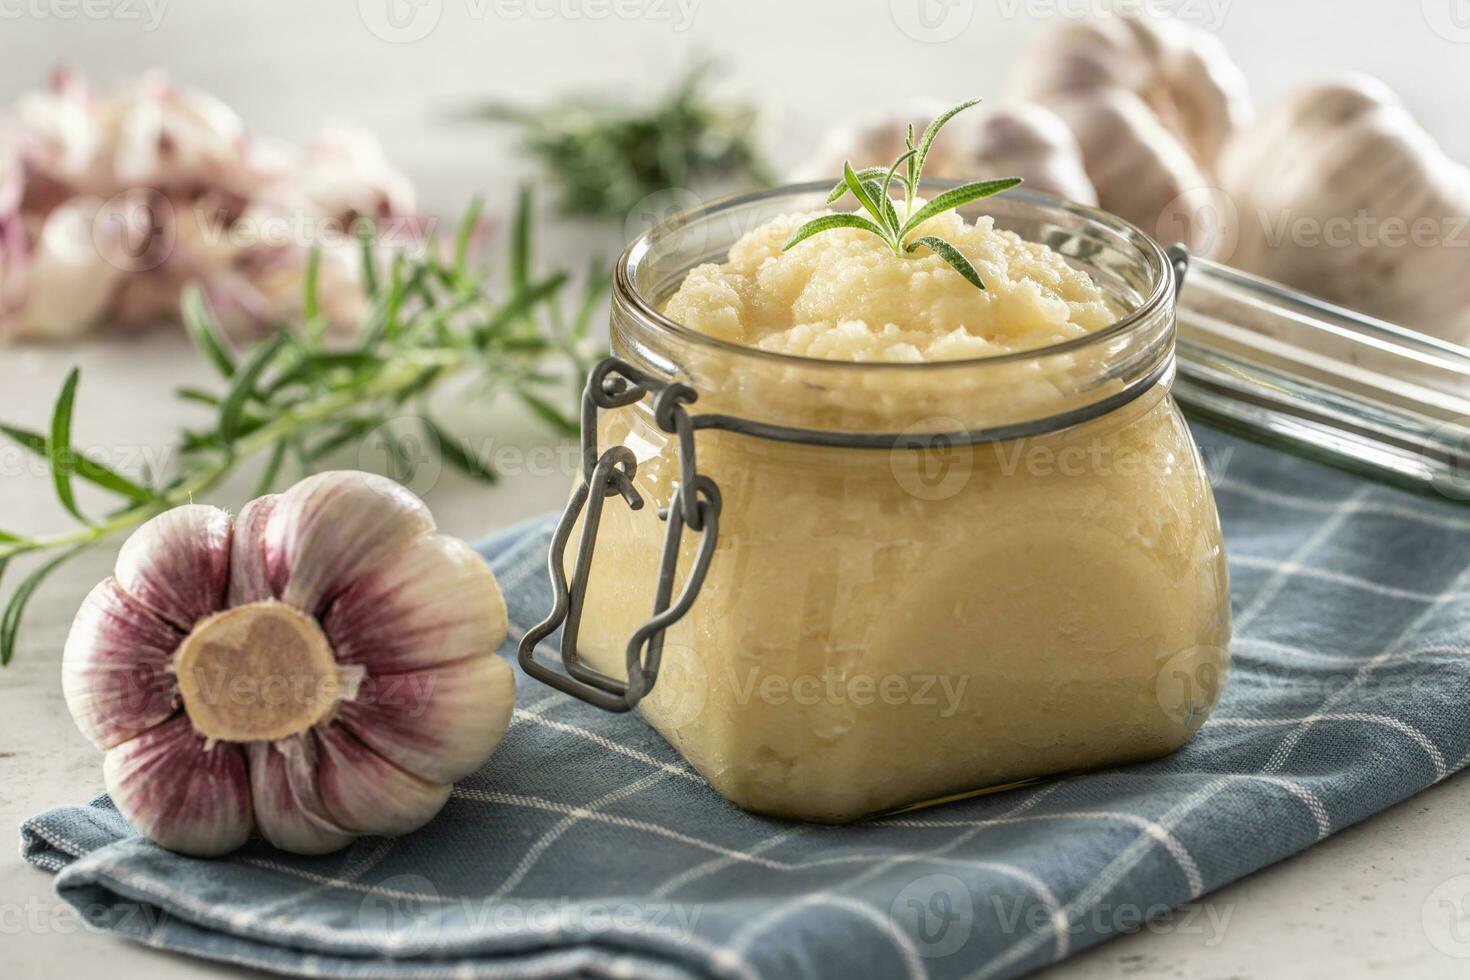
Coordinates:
(1346,154)
(319,668)
(1019,139)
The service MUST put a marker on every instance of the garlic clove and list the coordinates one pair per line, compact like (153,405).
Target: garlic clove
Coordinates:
(115,667)
(433,602)
(178,564)
(288,809)
(365,793)
(331,528)
(179,793)
(441,723)
(250,578)
(1139,168)
(1029,140)
(1209,92)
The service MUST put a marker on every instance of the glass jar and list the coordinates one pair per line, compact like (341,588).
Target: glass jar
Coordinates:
(915,581)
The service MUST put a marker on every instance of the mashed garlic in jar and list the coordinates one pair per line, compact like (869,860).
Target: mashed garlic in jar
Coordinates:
(882,628)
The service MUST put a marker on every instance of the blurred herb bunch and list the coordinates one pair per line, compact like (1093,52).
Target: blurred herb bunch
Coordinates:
(294,399)
(606,157)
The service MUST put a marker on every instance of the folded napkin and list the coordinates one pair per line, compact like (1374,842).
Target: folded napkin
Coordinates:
(586,846)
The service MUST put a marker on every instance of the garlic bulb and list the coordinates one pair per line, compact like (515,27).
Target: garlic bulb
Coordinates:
(1182,74)
(111,203)
(1020,139)
(1340,192)
(321,667)
(1151,105)
(1140,170)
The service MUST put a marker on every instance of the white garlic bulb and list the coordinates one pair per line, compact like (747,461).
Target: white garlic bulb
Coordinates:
(321,667)
(1151,105)
(1019,139)
(1341,193)
(1141,172)
(1181,73)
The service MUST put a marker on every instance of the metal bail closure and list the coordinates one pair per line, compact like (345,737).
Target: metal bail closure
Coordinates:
(614,383)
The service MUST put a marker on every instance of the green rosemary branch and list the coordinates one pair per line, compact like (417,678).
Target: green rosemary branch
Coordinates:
(293,396)
(870,186)
(606,158)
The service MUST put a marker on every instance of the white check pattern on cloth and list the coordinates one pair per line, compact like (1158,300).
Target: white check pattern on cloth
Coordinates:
(588,847)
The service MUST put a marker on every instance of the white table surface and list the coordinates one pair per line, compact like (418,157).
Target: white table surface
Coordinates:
(1354,906)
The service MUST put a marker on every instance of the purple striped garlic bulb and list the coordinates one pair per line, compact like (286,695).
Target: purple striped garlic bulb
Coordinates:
(321,667)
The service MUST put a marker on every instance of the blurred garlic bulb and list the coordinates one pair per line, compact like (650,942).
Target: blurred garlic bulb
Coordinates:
(1021,139)
(1151,104)
(1140,170)
(14,250)
(179,192)
(321,667)
(67,282)
(149,133)
(1343,194)
(1182,74)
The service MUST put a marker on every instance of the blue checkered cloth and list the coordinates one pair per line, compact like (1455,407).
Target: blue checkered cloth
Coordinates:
(586,846)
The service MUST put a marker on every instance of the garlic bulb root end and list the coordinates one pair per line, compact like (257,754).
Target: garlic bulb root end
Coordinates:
(257,673)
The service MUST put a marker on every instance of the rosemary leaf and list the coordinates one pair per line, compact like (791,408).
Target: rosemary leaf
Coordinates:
(829,221)
(311,297)
(890,213)
(346,432)
(366,232)
(205,332)
(272,469)
(893,171)
(549,412)
(88,469)
(521,303)
(58,448)
(932,131)
(16,607)
(950,254)
(242,387)
(457,455)
(867,173)
(593,290)
(199,396)
(396,292)
(958,197)
(520,241)
(911,186)
(465,233)
(860,191)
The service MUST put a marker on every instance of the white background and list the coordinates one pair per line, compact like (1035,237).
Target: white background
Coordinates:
(1354,906)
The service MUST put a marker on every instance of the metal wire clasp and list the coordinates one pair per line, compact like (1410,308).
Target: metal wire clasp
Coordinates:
(614,383)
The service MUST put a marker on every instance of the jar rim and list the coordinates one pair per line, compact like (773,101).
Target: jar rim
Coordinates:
(627,294)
